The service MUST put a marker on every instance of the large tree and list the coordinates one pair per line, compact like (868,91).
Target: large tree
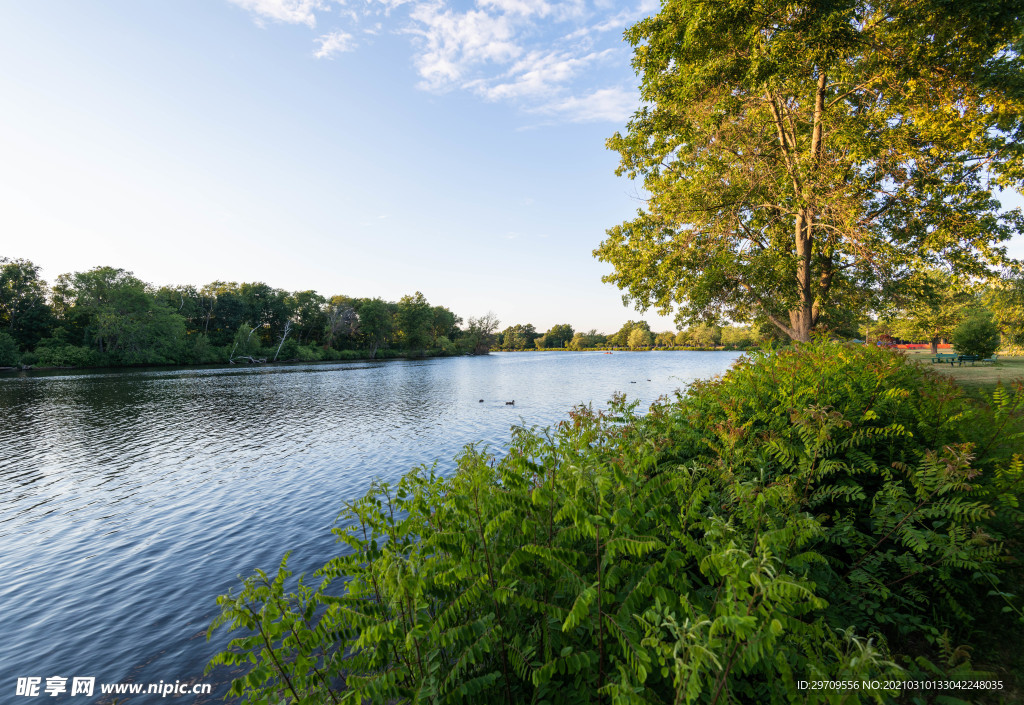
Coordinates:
(934,310)
(24,313)
(1005,298)
(803,158)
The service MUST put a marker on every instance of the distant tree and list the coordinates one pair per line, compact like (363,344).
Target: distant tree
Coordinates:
(585,341)
(246,345)
(82,297)
(443,323)
(801,158)
(639,338)
(376,323)
(933,310)
(741,337)
(267,309)
(115,311)
(24,313)
(977,335)
(187,302)
(556,337)
(621,337)
(1005,298)
(414,319)
(704,336)
(309,319)
(665,340)
(519,337)
(225,312)
(478,338)
(341,319)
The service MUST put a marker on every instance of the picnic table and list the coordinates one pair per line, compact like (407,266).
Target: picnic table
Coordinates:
(957,359)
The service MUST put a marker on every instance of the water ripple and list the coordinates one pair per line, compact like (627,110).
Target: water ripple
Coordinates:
(129,500)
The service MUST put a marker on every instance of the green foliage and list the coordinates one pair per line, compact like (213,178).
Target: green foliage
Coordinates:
(934,310)
(812,515)
(519,337)
(8,350)
(639,338)
(1005,298)
(479,336)
(701,336)
(738,337)
(376,324)
(246,342)
(806,161)
(24,313)
(414,318)
(558,336)
(585,341)
(621,337)
(978,335)
(52,353)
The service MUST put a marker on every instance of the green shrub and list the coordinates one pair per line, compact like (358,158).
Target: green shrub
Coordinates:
(8,350)
(57,355)
(816,514)
(977,335)
(308,353)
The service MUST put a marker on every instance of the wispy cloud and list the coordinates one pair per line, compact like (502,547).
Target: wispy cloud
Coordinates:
(334,43)
(545,57)
(289,11)
(602,105)
(450,44)
(539,74)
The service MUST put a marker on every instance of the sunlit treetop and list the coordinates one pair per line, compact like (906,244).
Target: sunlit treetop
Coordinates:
(801,159)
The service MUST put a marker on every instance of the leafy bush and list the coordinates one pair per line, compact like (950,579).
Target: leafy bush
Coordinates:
(978,335)
(308,353)
(8,350)
(52,354)
(813,515)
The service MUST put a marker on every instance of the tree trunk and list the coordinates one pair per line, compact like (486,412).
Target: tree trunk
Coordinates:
(802,319)
(935,346)
(287,330)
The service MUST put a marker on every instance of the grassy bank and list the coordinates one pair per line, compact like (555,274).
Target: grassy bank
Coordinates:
(977,378)
(827,512)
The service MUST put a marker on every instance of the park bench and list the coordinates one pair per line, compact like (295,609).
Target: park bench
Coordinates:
(944,357)
(968,358)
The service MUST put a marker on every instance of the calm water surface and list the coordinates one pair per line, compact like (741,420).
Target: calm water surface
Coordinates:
(130,500)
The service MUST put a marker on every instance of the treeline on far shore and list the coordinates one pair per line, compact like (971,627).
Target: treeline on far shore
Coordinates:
(108,317)
(634,335)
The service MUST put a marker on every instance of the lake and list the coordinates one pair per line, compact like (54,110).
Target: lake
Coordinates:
(130,499)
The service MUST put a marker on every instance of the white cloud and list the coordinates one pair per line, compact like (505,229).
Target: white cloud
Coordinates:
(538,74)
(290,11)
(452,43)
(334,43)
(525,8)
(602,105)
(542,56)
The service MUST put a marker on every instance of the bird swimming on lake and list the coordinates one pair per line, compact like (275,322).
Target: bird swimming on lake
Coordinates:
(510,403)
(481,401)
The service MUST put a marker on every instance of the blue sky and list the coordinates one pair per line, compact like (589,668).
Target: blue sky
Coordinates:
(365,147)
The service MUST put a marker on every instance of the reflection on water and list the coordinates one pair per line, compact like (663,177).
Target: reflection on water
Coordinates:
(129,500)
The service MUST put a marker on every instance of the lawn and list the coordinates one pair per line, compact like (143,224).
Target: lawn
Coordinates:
(977,377)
